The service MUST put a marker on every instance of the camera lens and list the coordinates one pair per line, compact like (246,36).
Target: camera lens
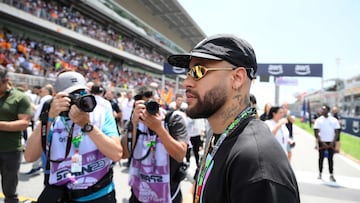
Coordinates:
(152,107)
(87,103)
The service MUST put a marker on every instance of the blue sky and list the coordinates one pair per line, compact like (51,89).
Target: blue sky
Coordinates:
(288,31)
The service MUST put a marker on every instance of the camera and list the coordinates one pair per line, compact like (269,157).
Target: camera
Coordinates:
(152,107)
(86,103)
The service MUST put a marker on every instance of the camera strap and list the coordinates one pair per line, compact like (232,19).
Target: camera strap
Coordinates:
(139,132)
(44,115)
(44,119)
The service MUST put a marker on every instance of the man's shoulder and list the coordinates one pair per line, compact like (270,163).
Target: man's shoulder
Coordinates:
(19,94)
(333,118)
(259,123)
(45,98)
(320,118)
(256,145)
(177,113)
(256,134)
(176,124)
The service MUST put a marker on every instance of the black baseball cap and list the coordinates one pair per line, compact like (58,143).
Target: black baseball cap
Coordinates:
(97,89)
(221,47)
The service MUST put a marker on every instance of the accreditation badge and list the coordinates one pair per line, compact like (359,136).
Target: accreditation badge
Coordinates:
(76,163)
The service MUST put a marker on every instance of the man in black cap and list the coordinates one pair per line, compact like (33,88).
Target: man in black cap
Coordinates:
(242,162)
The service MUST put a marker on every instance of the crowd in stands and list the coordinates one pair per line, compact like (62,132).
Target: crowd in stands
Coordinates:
(72,19)
(21,54)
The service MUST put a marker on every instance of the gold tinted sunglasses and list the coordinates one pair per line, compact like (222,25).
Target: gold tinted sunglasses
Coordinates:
(197,72)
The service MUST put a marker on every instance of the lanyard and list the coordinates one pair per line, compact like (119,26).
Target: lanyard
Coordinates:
(64,121)
(206,163)
(75,140)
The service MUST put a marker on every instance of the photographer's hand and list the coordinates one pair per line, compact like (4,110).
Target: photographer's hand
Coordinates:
(154,122)
(60,103)
(151,121)
(138,111)
(78,116)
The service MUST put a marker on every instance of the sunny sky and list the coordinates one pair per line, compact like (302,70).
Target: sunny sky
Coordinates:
(288,31)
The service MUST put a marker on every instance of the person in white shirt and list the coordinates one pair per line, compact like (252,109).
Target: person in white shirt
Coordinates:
(45,94)
(98,91)
(127,106)
(195,129)
(277,125)
(327,130)
(179,103)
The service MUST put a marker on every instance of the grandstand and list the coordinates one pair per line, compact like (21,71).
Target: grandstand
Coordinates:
(119,43)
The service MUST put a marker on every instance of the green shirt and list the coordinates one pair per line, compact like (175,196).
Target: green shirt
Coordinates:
(11,105)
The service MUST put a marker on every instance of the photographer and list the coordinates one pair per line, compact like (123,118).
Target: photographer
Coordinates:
(82,142)
(158,147)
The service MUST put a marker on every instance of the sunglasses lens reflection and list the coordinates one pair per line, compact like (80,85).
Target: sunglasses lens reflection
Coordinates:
(197,72)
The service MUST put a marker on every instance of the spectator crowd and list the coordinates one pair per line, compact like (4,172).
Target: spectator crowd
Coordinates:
(24,54)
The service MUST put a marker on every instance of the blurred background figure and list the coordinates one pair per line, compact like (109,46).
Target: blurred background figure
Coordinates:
(45,94)
(326,129)
(178,103)
(109,95)
(289,125)
(265,115)
(277,125)
(99,91)
(127,106)
(196,130)
(253,104)
(335,114)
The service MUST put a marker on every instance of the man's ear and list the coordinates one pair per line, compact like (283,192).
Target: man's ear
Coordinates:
(238,78)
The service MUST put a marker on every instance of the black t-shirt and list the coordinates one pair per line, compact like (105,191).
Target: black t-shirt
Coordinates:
(251,167)
(115,105)
(177,129)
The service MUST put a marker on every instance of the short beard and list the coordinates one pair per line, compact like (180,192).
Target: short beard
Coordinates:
(212,102)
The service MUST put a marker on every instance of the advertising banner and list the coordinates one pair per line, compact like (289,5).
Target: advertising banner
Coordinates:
(351,125)
(172,70)
(292,70)
(277,70)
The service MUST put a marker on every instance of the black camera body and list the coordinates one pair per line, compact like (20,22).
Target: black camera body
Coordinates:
(86,103)
(152,107)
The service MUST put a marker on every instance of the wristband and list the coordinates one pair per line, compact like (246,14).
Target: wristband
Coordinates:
(51,120)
